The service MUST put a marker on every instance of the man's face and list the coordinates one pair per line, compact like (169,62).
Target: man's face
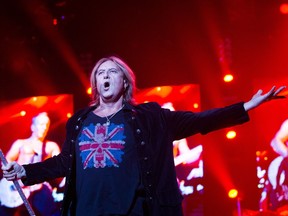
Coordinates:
(40,126)
(110,81)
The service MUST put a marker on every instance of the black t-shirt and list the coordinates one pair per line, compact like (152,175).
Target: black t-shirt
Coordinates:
(106,166)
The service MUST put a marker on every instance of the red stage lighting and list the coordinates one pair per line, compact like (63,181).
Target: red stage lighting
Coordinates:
(196,105)
(233,193)
(89,91)
(184,97)
(231,134)
(23,113)
(228,78)
(284,8)
(55,21)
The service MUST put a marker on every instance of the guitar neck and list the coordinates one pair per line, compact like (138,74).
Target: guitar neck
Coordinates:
(19,189)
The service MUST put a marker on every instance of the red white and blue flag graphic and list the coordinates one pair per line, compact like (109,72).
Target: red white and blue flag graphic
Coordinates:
(102,146)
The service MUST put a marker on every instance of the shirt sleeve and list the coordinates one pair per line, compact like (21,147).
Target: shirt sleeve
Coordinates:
(185,124)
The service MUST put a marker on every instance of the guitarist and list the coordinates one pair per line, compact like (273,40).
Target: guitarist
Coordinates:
(31,150)
(279,145)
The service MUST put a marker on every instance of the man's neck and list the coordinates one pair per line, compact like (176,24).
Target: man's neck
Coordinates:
(35,138)
(108,108)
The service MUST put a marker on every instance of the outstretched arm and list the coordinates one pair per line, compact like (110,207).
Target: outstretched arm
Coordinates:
(278,143)
(260,98)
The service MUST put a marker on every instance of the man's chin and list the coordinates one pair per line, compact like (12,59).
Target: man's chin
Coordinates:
(107,98)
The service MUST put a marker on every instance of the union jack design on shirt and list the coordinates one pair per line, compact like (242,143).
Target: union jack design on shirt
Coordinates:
(102,146)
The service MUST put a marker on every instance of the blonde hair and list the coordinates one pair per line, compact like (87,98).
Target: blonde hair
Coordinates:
(41,116)
(129,78)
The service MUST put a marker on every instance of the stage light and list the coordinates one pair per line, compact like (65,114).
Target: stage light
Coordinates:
(68,115)
(196,105)
(284,8)
(228,78)
(231,134)
(22,113)
(233,193)
(89,91)
(55,21)
(185,88)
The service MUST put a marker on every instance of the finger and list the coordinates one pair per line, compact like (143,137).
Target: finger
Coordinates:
(5,167)
(259,92)
(271,92)
(12,178)
(11,168)
(8,166)
(9,175)
(10,171)
(279,90)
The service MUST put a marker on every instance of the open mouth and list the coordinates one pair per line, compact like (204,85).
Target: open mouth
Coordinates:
(106,85)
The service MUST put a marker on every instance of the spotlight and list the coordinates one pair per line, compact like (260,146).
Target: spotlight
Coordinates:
(228,78)
(89,91)
(231,134)
(284,8)
(22,113)
(233,193)
(55,21)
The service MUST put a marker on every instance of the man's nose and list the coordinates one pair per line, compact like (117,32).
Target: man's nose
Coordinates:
(106,75)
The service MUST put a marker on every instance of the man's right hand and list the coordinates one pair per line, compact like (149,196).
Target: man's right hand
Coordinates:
(13,171)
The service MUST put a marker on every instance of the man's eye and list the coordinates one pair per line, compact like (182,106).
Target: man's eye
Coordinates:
(113,71)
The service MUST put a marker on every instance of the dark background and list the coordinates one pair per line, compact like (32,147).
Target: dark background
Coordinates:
(165,43)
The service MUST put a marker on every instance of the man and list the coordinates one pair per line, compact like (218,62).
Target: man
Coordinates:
(31,150)
(279,194)
(279,142)
(118,156)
